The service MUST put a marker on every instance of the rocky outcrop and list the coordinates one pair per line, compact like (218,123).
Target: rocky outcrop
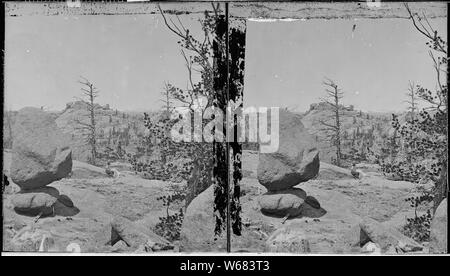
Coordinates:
(439,231)
(325,230)
(295,161)
(388,239)
(320,236)
(136,237)
(40,154)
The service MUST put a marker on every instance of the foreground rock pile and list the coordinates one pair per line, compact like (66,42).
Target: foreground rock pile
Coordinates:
(295,161)
(40,156)
(339,218)
(127,236)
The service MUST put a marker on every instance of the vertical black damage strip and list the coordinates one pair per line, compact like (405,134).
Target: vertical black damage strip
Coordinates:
(227,84)
(236,87)
(220,170)
(229,53)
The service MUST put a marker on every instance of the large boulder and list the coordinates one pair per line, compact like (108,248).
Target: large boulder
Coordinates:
(34,203)
(295,161)
(438,233)
(40,154)
(387,238)
(282,203)
(197,231)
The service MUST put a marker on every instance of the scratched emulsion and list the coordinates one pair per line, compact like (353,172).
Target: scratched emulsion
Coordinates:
(237,10)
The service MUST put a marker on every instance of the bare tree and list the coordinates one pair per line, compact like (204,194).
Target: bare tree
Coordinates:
(88,129)
(167,98)
(197,54)
(331,126)
(412,100)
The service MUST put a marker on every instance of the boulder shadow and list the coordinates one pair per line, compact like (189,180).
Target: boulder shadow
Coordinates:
(291,191)
(30,213)
(65,211)
(306,212)
(310,212)
(46,190)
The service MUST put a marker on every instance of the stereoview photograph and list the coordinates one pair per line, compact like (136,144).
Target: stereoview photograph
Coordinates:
(213,127)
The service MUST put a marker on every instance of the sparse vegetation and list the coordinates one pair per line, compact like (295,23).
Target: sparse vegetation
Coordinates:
(169,226)
(418,227)
(419,145)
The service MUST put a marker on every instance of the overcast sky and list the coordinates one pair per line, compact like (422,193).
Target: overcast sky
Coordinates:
(129,58)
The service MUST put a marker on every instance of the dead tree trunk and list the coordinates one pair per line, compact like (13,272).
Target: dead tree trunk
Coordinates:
(90,92)
(412,100)
(331,126)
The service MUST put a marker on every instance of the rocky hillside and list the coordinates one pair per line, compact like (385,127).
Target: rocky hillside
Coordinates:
(291,202)
(360,129)
(113,126)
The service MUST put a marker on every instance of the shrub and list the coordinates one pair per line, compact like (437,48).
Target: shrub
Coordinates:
(418,227)
(169,226)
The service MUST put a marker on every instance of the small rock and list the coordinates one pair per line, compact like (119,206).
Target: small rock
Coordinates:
(120,246)
(371,248)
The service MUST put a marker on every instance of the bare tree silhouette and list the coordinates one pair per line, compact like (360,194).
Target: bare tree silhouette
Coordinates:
(88,129)
(331,126)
